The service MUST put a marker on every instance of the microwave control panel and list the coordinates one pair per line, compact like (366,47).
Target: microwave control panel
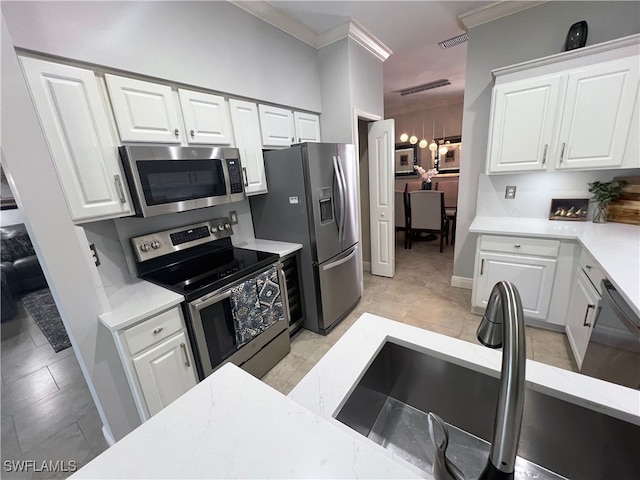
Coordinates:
(235,175)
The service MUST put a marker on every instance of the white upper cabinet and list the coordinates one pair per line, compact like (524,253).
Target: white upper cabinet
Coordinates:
(246,129)
(277,126)
(597,114)
(144,111)
(74,119)
(206,118)
(572,111)
(524,119)
(307,127)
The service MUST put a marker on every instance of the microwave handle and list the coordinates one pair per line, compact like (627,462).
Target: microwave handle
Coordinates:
(207,301)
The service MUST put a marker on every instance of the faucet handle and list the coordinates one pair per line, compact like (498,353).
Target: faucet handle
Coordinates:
(443,469)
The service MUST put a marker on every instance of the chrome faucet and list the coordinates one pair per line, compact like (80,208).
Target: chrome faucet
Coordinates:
(503,326)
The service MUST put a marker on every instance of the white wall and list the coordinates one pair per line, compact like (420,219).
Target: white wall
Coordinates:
(335,121)
(533,33)
(213,45)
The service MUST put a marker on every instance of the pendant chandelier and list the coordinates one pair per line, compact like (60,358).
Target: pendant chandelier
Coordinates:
(404,137)
(433,146)
(423,142)
(413,139)
(443,149)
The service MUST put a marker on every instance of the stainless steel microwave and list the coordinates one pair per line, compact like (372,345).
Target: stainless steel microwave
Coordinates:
(167,179)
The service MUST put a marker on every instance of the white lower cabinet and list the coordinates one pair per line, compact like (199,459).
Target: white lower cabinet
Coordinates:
(165,372)
(158,361)
(582,312)
(530,264)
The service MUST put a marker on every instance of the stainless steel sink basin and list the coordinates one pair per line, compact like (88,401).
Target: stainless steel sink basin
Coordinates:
(558,438)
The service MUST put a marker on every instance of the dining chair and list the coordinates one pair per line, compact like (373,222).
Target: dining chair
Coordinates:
(450,189)
(426,214)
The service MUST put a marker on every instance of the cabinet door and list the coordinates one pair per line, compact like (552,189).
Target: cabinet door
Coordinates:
(246,130)
(524,116)
(597,115)
(307,127)
(582,312)
(276,125)
(75,122)
(532,276)
(144,111)
(206,118)
(165,372)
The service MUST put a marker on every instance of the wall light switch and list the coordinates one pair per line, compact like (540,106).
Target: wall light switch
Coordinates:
(233,217)
(510,192)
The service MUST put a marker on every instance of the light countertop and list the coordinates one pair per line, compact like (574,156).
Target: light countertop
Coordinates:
(615,246)
(231,425)
(281,248)
(137,301)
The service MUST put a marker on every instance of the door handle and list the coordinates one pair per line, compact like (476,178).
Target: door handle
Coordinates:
(341,261)
(544,155)
(187,363)
(120,189)
(336,169)
(244,175)
(176,132)
(482,266)
(284,294)
(589,307)
(562,151)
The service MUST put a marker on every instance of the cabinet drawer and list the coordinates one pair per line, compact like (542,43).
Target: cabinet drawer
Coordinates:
(519,245)
(593,271)
(150,332)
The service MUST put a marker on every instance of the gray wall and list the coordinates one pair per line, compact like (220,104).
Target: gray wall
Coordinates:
(335,121)
(213,45)
(533,33)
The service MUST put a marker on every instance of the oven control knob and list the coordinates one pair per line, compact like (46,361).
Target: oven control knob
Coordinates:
(227,226)
(214,229)
(145,247)
(155,244)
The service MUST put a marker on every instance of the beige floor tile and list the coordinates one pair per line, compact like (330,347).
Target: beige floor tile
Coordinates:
(552,348)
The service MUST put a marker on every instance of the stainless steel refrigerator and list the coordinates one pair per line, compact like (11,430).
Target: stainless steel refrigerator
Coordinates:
(312,200)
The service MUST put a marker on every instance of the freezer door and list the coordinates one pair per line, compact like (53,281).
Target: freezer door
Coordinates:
(340,281)
(349,216)
(324,194)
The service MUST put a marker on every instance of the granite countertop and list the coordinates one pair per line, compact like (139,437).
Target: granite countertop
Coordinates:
(231,425)
(615,246)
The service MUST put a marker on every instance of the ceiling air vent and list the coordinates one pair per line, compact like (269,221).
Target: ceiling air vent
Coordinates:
(425,86)
(452,42)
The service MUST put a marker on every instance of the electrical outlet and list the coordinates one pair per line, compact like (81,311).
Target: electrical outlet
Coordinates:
(233,217)
(510,192)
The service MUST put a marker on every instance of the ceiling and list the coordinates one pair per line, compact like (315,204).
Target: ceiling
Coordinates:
(412,31)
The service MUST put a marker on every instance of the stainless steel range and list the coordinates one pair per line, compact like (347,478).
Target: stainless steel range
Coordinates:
(234,309)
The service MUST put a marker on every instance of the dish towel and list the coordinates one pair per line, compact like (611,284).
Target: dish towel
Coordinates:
(247,315)
(270,298)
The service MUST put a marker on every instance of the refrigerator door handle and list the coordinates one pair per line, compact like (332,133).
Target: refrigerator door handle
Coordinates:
(341,186)
(339,262)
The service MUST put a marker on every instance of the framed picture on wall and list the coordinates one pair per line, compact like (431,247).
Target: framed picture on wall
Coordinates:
(406,156)
(450,161)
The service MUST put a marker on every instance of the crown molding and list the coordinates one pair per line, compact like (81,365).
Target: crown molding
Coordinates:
(350,29)
(489,13)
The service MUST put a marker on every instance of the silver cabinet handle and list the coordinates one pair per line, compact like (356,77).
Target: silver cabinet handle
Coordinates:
(192,133)
(293,140)
(157,330)
(562,151)
(482,266)
(244,174)
(187,363)
(120,189)
(517,245)
(589,307)
(176,132)
(588,267)
(544,155)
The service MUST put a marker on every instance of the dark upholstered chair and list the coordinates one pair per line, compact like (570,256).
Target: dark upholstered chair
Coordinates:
(20,267)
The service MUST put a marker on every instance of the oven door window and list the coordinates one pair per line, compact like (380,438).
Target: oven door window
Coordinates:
(168,181)
(219,333)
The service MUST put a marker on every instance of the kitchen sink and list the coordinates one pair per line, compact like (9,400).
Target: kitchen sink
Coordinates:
(558,439)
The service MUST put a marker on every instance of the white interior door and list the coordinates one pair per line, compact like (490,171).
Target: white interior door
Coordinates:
(381,198)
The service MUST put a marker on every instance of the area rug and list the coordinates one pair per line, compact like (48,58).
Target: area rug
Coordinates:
(43,310)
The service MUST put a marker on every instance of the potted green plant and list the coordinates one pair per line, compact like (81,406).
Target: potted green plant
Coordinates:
(604,193)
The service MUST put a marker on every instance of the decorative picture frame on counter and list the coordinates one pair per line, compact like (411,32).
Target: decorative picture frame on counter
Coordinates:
(573,209)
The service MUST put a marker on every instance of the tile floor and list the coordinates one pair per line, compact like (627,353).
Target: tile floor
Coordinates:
(47,411)
(420,294)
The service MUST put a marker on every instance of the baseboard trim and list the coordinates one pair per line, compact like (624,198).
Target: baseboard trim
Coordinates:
(366,266)
(108,437)
(462,282)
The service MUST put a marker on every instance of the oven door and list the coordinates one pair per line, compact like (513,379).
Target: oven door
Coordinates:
(213,331)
